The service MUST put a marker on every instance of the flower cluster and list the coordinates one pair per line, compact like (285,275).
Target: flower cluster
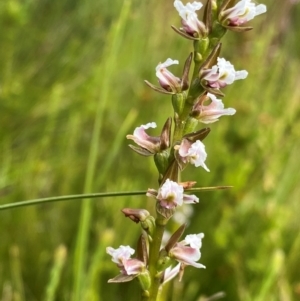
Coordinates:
(195,101)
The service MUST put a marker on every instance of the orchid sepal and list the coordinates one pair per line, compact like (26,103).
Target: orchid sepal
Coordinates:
(121,278)
(158,89)
(184,34)
(175,237)
(141,151)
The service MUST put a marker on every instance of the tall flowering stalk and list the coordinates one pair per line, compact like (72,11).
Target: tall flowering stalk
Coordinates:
(195,101)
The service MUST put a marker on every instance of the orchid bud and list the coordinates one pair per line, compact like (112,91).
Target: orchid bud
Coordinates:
(136,215)
(145,280)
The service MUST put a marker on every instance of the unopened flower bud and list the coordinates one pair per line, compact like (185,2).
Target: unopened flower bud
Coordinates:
(136,215)
(162,161)
(145,280)
(149,225)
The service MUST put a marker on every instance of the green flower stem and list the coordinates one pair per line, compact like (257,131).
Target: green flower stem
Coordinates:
(178,130)
(201,51)
(154,256)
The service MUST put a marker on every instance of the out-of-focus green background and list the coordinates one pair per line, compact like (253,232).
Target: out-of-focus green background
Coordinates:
(71,88)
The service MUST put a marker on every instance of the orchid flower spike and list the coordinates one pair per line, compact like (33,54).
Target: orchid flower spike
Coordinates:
(221,75)
(212,112)
(189,19)
(241,13)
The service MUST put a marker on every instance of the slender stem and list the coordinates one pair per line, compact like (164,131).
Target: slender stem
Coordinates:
(93,195)
(111,52)
(154,256)
(68,198)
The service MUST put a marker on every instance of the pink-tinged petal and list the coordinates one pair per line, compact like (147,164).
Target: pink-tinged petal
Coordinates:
(212,112)
(187,255)
(184,147)
(190,199)
(133,266)
(166,79)
(171,273)
(141,138)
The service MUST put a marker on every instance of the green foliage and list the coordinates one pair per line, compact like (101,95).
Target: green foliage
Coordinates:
(61,61)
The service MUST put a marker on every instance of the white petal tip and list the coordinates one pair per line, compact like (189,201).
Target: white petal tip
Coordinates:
(260,9)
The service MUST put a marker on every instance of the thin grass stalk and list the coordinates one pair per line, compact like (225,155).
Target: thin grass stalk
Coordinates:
(95,195)
(112,49)
(17,280)
(115,148)
(59,261)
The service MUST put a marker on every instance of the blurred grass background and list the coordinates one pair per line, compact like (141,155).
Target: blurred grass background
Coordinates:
(71,88)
